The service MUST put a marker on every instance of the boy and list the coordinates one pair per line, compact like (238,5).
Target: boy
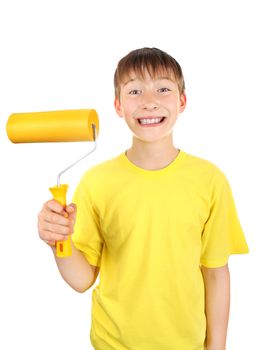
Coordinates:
(157,222)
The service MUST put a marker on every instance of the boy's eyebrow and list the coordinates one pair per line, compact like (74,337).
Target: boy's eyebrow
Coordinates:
(127,82)
(159,78)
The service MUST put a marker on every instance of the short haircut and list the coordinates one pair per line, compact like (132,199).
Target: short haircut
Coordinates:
(152,60)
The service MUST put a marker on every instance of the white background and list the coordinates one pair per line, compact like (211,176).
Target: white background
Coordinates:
(62,55)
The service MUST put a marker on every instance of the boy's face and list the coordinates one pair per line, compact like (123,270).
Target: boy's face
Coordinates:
(150,106)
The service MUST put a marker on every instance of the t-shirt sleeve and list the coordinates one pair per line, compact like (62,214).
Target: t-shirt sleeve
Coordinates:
(87,233)
(222,234)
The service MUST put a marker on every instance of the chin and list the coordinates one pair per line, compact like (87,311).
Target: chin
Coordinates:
(152,139)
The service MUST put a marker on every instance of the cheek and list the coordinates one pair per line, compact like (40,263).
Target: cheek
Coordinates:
(173,106)
(129,107)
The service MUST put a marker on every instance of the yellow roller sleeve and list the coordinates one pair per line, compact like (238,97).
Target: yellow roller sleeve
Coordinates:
(53,126)
(63,248)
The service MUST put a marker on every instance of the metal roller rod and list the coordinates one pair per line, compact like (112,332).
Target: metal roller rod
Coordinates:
(92,150)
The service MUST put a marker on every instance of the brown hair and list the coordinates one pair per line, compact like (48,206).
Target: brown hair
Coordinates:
(152,60)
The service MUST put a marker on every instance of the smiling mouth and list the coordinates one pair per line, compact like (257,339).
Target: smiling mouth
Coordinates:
(151,121)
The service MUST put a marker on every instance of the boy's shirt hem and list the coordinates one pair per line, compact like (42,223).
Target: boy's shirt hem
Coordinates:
(221,262)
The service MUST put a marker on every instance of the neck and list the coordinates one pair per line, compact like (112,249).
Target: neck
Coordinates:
(152,155)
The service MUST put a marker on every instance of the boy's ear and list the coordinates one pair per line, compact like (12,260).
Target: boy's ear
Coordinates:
(182,102)
(117,106)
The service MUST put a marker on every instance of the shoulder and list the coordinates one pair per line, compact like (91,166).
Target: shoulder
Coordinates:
(102,170)
(204,169)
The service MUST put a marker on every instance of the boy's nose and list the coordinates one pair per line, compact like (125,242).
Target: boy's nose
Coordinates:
(149,102)
(150,106)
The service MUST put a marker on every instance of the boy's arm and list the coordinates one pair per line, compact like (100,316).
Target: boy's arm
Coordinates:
(217,304)
(76,270)
(55,223)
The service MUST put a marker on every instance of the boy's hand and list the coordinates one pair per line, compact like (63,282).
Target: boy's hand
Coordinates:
(55,223)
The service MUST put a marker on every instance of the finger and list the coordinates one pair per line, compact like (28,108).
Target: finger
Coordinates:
(57,229)
(55,206)
(51,243)
(54,218)
(52,237)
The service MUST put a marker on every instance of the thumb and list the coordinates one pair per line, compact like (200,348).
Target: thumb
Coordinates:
(71,209)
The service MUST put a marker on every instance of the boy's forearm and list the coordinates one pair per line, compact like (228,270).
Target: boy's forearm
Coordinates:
(75,270)
(217,305)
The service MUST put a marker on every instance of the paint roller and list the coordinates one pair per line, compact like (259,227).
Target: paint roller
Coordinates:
(56,126)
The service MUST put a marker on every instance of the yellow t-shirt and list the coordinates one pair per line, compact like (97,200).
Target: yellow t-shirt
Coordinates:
(149,231)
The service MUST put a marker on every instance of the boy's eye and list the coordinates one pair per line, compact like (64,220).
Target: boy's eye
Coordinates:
(164,89)
(134,92)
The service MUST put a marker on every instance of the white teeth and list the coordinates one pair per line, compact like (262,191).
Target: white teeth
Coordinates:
(150,121)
